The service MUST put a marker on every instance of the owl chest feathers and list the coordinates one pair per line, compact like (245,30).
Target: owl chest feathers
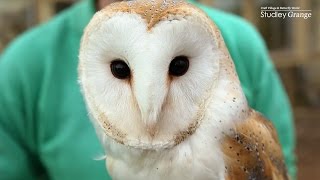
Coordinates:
(200,156)
(245,150)
(194,158)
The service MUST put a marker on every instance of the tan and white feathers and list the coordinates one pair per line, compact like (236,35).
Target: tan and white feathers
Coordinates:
(155,125)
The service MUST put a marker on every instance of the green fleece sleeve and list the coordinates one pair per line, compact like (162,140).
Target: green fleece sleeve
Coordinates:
(271,100)
(17,158)
(263,87)
(266,92)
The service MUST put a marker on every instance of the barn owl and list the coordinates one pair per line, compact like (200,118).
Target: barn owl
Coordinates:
(163,94)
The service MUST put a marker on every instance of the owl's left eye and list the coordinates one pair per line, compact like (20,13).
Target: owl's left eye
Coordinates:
(120,69)
(179,66)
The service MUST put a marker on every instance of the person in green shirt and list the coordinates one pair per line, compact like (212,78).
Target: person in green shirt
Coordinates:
(44,128)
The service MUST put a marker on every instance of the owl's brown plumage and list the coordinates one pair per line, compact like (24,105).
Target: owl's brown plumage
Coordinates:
(252,150)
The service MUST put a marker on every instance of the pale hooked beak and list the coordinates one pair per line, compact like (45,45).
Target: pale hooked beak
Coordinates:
(150,92)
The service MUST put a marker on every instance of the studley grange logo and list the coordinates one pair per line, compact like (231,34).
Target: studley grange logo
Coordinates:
(285,12)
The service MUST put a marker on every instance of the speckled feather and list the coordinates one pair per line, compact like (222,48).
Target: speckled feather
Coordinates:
(252,151)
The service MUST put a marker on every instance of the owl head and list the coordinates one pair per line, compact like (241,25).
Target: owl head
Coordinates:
(150,69)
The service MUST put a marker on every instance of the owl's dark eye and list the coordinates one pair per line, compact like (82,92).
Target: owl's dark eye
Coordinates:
(179,66)
(120,69)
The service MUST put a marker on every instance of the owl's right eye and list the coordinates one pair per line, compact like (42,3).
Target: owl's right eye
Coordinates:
(120,69)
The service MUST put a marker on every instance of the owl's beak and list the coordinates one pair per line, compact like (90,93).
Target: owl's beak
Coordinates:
(150,95)
(150,119)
